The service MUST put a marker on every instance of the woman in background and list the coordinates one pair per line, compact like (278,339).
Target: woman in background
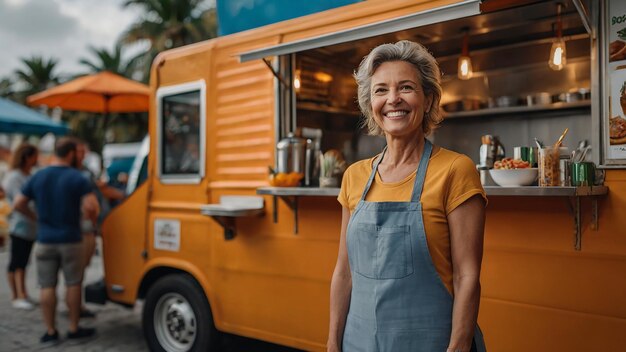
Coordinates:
(22,230)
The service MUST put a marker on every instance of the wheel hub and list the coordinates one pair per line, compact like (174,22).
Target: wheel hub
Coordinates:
(175,323)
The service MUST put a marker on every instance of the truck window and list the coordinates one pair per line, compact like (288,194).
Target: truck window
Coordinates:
(181,133)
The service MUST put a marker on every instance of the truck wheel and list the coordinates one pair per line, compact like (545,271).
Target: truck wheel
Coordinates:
(177,316)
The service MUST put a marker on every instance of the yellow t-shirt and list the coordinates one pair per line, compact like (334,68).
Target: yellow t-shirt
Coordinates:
(451,179)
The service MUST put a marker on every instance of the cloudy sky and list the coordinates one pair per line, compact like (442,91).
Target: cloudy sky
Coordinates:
(59,28)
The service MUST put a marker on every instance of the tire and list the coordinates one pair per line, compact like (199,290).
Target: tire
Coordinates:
(177,316)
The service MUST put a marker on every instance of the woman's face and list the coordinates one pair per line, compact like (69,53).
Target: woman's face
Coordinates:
(398,101)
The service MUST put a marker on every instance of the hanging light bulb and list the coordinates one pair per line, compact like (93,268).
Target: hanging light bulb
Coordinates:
(296,80)
(464,69)
(558,54)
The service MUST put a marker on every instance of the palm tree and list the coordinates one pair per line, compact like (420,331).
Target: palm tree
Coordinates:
(38,74)
(111,61)
(6,88)
(171,23)
(168,24)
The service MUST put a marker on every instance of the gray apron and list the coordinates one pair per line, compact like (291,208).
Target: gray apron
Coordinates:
(398,301)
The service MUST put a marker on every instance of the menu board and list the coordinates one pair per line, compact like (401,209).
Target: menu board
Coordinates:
(615,47)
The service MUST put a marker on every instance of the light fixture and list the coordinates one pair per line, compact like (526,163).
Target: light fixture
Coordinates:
(323,77)
(296,80)
(558,56)
(465,70)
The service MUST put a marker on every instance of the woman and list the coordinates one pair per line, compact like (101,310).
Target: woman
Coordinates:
(21,229)
(407,273)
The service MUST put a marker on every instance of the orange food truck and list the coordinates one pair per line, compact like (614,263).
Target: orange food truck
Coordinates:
(211,247)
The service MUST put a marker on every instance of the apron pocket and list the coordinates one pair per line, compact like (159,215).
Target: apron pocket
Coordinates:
(384,252)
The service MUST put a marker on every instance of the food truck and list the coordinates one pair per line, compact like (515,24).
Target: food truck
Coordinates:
(211,247)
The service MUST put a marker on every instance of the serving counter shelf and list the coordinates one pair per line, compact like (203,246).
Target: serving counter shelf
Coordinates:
(534,191)
(573,196)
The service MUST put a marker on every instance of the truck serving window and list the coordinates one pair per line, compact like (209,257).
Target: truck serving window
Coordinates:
(181,133)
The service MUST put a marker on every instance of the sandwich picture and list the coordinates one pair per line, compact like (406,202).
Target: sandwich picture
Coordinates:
(617,48)
(617,130)
(617,51)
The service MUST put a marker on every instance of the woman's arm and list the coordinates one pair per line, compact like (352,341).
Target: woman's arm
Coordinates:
(466,223)
(340,289)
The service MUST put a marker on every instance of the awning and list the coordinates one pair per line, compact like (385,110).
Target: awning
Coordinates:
(460,9)
(16,118)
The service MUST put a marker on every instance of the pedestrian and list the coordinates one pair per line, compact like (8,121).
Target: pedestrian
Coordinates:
(60,193)
(407,273)
(88,228)
(22,230)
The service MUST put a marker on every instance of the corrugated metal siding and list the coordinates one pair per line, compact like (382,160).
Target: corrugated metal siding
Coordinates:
(242,132)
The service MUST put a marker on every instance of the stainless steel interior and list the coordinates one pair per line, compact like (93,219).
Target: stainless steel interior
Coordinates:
(509,51)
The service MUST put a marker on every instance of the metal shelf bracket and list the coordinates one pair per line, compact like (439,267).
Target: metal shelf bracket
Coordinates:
(232,207)
(228,223)
(574,206)
(292,203)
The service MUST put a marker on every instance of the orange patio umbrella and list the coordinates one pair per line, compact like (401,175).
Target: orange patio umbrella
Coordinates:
(102,92)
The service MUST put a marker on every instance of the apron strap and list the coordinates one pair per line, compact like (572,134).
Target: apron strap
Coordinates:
(421,172)
(373,174)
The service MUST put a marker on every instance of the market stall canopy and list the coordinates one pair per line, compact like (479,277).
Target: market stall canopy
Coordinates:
(16,118)
(102,92)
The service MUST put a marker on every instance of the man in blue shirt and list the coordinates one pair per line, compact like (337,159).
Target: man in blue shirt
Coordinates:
(60,193)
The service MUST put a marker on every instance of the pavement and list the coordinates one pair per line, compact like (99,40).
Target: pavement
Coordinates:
(118,328)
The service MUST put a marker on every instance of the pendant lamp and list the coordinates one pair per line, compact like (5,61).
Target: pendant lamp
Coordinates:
(558,56)
(465,70)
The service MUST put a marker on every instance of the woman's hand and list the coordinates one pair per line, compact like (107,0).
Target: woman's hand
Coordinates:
(333,348)
(340,290)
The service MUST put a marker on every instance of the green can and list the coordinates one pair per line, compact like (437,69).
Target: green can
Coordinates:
(527,154)
(583,174)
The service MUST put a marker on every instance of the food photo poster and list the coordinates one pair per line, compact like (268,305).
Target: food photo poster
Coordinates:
(616,35)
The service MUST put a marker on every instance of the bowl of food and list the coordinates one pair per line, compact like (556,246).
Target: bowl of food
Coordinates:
(513,173)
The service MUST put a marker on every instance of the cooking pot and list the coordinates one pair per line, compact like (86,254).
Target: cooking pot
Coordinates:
(295,154)
(290,154)
(506,101)
(465,104)
(542,98)
(575,95)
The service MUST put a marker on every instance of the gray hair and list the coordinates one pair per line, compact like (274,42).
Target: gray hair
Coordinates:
(413,53)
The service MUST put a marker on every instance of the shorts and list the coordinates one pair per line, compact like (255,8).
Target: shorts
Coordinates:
(65,256)
(20,252)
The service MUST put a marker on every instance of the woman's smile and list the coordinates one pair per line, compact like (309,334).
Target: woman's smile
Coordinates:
(396,114)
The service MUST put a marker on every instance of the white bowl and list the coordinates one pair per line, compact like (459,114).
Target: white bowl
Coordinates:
(514,177)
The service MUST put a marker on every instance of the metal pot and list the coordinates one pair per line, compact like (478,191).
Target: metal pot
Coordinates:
(570,97)
(542,98)
(465,104)
(575,95)
(506,101)
(290,154)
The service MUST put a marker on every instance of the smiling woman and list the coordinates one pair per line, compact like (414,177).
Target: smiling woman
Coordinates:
(412,221)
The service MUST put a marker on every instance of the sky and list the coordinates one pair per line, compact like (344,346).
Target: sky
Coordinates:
(63,29)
